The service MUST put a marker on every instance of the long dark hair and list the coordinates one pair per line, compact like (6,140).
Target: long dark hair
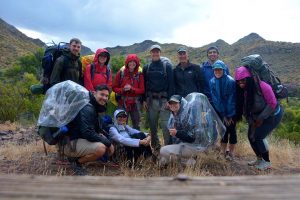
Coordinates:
(244,103)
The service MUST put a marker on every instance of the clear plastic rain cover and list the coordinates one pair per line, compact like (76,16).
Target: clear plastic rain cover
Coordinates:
(198,118)
(62,103)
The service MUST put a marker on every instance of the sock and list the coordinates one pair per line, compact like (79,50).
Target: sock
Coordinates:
(265,156)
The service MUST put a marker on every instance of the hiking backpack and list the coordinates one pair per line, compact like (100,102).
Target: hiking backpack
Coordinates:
(165,61)
(93,71)
(261,71)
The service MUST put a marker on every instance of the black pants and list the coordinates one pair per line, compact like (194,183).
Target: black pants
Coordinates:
(231,133)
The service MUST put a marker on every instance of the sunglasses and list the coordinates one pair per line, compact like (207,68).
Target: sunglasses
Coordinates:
(122,116)
(242,81)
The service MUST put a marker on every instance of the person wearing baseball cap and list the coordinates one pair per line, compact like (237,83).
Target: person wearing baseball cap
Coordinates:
(188,77)
(159,87)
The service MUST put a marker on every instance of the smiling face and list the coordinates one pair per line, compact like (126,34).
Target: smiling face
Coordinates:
(183,57)
(101,96)
(122,119)
(102,58)
(212,55)
(155,54)
(218,72)
(242,83)
(131,66)
(174,106)
(75,48)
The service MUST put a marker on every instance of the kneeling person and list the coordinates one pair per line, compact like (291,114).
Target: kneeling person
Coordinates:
(136,143)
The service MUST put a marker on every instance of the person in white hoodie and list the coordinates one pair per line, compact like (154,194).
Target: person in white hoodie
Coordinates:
(135,142)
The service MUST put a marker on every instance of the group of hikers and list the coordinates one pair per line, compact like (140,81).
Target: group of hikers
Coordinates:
(192,104)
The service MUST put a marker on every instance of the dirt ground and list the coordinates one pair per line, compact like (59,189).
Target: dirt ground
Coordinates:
(22,152)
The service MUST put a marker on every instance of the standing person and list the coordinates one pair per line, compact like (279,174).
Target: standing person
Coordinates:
(262,111)
(68,66)
(159,87)
(206,67)
(136,143)
(129,84)
(222,89)
(99,72)
(188,77)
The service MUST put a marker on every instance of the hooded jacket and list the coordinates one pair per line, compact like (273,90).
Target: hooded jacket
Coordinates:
(72,70)
(208,72)
(123,134)
(100,74)
(135,79)
(223,93)
(265,102)
(86,124)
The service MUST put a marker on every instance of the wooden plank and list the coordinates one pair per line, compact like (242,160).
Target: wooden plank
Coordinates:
(238,187)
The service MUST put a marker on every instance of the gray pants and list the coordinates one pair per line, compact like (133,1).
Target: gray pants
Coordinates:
(158,114)
(182,150)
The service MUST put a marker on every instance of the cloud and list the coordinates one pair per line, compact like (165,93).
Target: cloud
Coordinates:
(101,23)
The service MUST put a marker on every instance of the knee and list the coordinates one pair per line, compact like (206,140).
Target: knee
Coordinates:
(100,150)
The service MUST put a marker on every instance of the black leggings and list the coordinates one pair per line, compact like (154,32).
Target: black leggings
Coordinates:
(231,133)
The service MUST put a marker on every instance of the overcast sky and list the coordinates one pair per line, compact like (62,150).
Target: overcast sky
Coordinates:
(107,23)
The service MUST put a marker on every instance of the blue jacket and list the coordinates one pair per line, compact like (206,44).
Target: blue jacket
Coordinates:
(208,73)
(223,95)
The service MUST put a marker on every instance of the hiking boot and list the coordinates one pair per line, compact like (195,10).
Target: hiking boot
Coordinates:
(263,165)
(77,167)
(255,162)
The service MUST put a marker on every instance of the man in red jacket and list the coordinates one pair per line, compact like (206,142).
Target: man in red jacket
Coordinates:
(99,72)
(129,84)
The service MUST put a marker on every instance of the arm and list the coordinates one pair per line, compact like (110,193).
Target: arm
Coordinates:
(170,78)
(109,84)
(270,99)
(145,81)
(88,79)
(114,134)
(87,128)
(57,70)
(116,87)
(200,79)
(231,104)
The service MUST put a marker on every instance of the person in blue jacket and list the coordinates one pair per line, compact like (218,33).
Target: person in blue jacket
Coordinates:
(223,94)
(207,71)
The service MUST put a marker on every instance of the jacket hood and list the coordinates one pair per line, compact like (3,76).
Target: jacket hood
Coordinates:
(132,57)
(219,65)
(241,73)
(98,52)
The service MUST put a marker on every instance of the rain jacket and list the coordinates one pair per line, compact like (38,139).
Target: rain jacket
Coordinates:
(72,70)
(223,95)
(123,134)
(135,79)
(100,75)
(208,73)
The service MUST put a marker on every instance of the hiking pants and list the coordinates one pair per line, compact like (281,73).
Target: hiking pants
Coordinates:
(231,134)
(259,142)
(157,113)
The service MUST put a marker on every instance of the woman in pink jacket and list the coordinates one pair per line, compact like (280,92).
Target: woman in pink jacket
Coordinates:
(263,113)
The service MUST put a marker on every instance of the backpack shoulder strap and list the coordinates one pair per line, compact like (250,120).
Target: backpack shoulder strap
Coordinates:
(107,73)
(121,76)
(92,66)
(165,68)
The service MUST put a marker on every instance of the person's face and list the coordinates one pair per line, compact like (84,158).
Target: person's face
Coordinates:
(75,48)
(212,55)
(155,54)
(102,59)
(174,106)
(242,83)
(101,96)
(122,119)
(183,57)
(218,73)
(131,66)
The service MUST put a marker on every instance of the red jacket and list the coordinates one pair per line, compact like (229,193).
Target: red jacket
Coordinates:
(100,75)
(135,79)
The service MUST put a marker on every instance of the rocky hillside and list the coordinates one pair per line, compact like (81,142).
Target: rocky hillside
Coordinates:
(13,44)
(283,56)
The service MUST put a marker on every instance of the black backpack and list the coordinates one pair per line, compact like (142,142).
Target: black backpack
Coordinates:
(261,71)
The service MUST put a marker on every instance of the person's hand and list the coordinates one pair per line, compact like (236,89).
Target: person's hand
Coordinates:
(228,121)
(144,142)
(172,131)
(258,123)
(148,138)
(167,106)
(110,150)
(127,87)
(145,105)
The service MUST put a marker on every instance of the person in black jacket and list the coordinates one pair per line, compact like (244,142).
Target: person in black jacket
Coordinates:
(188,77)
(87,143)
(159,86)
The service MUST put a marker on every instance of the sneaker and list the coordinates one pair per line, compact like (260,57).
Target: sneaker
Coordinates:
(255,162)
(77,167)
(263,165)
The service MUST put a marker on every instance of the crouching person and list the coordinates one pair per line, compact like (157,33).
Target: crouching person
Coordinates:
(193,126)
(86,142)
(135,142)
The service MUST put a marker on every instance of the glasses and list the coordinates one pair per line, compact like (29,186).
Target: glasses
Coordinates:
(122,116)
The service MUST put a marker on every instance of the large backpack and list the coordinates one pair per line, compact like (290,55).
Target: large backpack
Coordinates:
(261,71)
(165,61)
(51,54)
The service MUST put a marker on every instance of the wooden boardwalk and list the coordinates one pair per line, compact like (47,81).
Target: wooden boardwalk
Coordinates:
(210,188)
